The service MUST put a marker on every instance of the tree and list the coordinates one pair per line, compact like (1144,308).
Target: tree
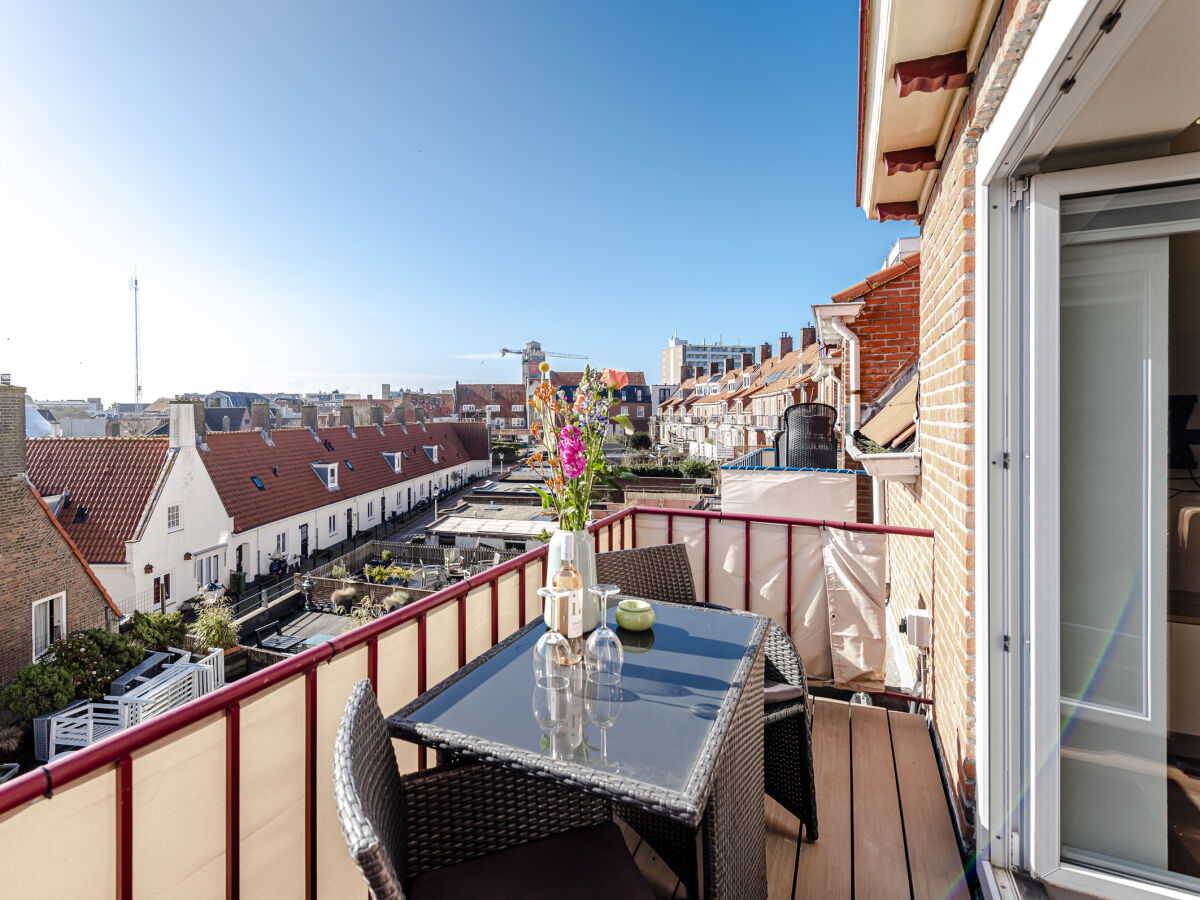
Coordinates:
(36,690)
(214,626)
(92,658)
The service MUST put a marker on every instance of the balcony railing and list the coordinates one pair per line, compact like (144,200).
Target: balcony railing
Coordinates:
(232,793)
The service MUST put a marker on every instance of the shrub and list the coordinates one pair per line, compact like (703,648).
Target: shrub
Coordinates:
(343,596)
(158,631)
(339,572)
(368,610)
(639,440)
(92,658)
(36,690)
(10,739)
(386,556)
(214,625)
(696,468)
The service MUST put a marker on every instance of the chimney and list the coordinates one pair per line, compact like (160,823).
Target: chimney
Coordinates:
(13,460)
(260,418)
(730,364)
(715,368)
(181,424)
(112,428)
(308,417)
(385,392)
(785,344)
(747,360)
(225,423)
(201,425)
(686,372)
(764,352)
(700,371)
(808,336)
(377,416)
(347,417)
(370,398)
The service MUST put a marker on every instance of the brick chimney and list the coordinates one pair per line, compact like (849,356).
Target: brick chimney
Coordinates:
(377,416)
(747,360)
(764,352)
(347,416)
(181,424)
(700,371)
(12,431)
(808,336)
(201,424)
(715,368)
(730,364)
(308,417)
(225,426)
(785,344)
(112,428)
(686,372)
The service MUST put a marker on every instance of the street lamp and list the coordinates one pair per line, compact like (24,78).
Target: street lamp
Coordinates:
(307,586)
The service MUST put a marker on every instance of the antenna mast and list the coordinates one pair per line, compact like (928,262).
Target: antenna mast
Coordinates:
(137,343)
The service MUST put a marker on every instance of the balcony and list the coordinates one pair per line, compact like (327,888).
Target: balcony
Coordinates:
(232,793)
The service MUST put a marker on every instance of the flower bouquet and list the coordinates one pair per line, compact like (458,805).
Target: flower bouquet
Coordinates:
(570,462)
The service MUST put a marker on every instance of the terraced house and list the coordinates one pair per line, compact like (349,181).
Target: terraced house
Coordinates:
(158,516)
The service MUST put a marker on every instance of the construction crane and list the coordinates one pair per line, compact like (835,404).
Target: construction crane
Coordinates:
(531,357)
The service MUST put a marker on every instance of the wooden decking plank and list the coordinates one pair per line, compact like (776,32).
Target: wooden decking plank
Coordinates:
(933,860)
(881,867)
(825,866)
(783,839)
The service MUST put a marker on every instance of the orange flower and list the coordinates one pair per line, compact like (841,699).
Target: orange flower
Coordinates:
(614,378)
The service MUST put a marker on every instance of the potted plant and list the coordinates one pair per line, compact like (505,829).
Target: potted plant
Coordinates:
(570,461)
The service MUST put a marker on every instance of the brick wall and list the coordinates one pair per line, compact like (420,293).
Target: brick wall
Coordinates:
(944,497)
(887,331)
(36,561)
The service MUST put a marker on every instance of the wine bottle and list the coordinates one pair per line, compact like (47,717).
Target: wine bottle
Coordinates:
(569,620)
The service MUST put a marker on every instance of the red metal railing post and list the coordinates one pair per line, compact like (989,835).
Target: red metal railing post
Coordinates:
(788,610)
(495,611)
(125,828)
(521,592)
(462,631)
(310,781)
(707,567)
(747,567)
(233,800)
(670,528)
(373,663)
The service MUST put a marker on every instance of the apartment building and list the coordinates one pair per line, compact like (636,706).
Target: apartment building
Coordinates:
(679,354)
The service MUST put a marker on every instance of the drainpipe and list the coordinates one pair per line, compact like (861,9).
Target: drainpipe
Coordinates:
(851,340)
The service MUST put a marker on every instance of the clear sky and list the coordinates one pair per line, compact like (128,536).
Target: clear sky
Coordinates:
(325,195)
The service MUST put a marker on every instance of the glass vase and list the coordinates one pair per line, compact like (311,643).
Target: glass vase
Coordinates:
(585,564)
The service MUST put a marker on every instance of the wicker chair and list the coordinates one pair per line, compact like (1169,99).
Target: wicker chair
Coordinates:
(469,829)
(662,573)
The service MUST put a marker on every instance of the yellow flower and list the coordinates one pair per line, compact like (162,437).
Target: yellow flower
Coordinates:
(543,367)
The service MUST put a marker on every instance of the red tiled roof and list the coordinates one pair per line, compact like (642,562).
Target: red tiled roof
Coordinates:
(902,267)
(112,478)
(233,458)
(480,396)
(74,549)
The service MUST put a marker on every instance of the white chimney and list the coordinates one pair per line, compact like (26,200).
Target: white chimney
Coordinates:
(182,424)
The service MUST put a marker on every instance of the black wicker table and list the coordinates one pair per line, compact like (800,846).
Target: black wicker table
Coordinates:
(682,747)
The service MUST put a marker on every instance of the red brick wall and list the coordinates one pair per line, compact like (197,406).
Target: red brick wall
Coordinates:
(37,562)
(887,331)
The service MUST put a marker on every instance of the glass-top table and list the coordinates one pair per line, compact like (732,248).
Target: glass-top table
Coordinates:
(691,689)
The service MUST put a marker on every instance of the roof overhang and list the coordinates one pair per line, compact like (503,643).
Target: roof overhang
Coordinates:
(825,313)
(916,62)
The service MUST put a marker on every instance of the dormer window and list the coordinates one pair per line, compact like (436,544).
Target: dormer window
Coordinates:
(328,473)
(431,452)
(393,460)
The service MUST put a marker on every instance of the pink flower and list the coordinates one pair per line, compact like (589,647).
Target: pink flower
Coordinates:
(570,448)
(614,378)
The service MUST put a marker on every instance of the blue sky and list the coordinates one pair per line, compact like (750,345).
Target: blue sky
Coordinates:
(341,194)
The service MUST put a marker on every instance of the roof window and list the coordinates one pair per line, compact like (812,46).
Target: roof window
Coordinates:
(392,459)
(328,474)
(258,482)
(431,451)
(349,465)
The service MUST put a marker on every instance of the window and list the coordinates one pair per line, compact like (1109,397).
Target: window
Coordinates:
(349,465)
(328,474)
(174,517)
(431,452)
(641,412)
(208,570)
(518,407)
(498,423)
(257,482)
(49,622)
(370,509)
(624,410)
(468,407)
(333,524)
(493,407)
(281,542)
(393,459)
(518,423)
(399,499)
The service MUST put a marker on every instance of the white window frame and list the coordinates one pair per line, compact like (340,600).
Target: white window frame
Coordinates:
(468,407)
(281,542)
(394,459)
(177,509)
(333,524)
(370,509)
(518,407)
(431,451)
(60,616)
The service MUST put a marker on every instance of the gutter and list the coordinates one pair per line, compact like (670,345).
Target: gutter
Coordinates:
(852,388)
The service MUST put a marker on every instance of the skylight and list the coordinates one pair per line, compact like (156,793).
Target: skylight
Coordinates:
(349,465)
(258,482)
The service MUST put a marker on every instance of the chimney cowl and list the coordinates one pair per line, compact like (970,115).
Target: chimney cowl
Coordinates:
(785,344)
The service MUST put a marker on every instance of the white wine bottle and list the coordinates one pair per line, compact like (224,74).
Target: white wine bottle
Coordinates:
(569,615)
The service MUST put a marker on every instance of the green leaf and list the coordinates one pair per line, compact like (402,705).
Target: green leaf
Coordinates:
(624,422)
(547,500)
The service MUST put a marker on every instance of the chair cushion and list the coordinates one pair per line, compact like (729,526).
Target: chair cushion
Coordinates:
(780,692)
(582,864)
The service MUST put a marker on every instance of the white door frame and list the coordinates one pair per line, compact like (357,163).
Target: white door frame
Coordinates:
(1045,860)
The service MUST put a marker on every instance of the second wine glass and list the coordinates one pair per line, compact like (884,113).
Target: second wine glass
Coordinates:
(603,656)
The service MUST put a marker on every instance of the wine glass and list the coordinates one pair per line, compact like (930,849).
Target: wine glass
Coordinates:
(552,653)
(602,703)
(604,656)
(551,706)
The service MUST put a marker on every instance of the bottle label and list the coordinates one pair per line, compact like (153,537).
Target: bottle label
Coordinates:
(575,613)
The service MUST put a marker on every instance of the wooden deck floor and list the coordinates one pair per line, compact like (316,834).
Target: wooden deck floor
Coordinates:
(885,828)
